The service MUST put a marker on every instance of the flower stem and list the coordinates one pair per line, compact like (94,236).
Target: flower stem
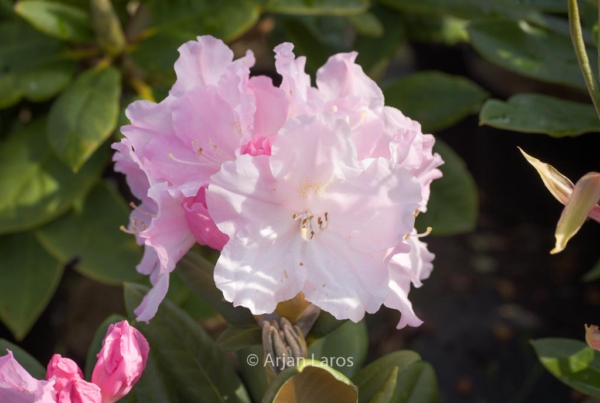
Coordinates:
(582,57)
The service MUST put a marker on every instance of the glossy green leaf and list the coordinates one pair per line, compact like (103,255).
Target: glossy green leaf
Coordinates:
(91,234)
(196,368)
(197,273)
(436,100)
(324,325)
(235,338)
(530,51)
(593,274)
(385,394)
(374,54)
(453,204)
(253,371)
(311,381)
(32,65)
(367,24)
(318,7)
(447,30)
(154,385)
(28,278)
(417,384)
(344,349)
(96,346)
(374,376)
(572,362)
(472,9)
(535,113)
(226,20)
(307,42)
(35,186)
(59,20)
(85,115)
(175,22)
(30,364)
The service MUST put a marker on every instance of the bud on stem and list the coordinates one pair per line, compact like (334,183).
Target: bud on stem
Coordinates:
(109,33)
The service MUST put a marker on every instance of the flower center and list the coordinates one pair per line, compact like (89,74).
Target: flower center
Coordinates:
(310,224)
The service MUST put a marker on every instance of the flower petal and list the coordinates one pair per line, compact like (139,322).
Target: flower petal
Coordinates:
(260,267)
(342,280)
(585,197)
(201,63)
(340,77)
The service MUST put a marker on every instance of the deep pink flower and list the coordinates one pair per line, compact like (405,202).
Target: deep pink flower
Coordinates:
(62,370)
(79,391)
(18,386)
(325,219)
(120,362)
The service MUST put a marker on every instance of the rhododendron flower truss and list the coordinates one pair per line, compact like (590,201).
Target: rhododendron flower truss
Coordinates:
(311,218)
(311,189)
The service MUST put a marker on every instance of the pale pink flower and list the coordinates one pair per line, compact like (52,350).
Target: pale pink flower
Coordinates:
(377,130)
(62,370)
(80,391)
(120,362)
(310,218)
(214,112)
(18,386)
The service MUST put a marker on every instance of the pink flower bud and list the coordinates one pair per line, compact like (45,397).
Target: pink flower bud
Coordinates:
(63,369)
(79,391)
(592,337)
(120,362)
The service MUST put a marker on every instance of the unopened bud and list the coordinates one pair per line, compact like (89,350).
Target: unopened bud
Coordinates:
(592,337)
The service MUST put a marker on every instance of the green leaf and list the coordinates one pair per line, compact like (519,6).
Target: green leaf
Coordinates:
(253,371)
(85,115)
(235,338)
(446,30)
(30,364)
(175,22)
(35,186)
(178,21)
(572,362)
(593,274)
(324,325)
(471,9)
(32,65)
(318,7)
(436,100)
(372,378)
(91,234)
(226,20)
(197,274)
(385,394)
(530,51)
(306,43)
(535,113)
(367,24)
(311,381)
(196,368)
(453,204)
(374,54)
(96,346)
(59,20)
(417,384)
(28,278)
(344,349)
